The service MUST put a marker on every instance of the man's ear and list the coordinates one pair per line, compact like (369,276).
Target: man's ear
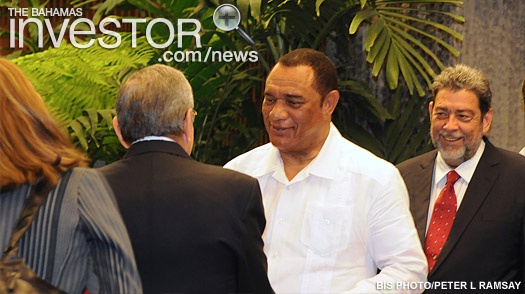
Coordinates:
(116,126)
(188,131)
(330,102)
(487,121)
(430,107)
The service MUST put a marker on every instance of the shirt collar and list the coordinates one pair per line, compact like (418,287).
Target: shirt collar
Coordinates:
(154,138)
(465,169)
(321,166)
(269,161)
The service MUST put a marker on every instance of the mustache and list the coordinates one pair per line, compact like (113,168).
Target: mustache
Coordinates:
(451,135)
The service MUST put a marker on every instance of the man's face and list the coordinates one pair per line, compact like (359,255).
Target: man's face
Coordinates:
(293,116)
(457,125)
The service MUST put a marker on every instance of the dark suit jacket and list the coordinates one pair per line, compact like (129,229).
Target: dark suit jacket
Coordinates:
(195,228)
(487,240)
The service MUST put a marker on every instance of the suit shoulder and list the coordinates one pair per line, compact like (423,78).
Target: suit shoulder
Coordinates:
(108,169)
(416,161)
(223,175)
(228,185)
(511,161)
(85,174)
(510,155)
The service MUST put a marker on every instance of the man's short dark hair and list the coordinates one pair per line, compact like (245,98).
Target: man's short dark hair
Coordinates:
(462,77)
(325,75)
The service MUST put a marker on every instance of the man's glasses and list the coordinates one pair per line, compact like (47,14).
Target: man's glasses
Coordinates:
(193,115)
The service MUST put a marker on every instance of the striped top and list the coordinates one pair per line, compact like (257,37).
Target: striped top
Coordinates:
(77,240)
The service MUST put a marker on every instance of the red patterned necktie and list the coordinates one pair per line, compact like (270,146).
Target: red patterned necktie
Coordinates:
(442,219)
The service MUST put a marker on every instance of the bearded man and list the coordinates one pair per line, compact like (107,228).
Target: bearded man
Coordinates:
(468,197)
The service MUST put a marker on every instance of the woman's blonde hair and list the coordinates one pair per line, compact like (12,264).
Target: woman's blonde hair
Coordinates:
(31,143)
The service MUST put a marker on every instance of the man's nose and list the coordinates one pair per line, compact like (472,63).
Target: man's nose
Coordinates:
(279,111)
(451,124)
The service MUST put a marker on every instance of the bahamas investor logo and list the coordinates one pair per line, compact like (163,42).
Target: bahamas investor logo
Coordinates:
(226,17)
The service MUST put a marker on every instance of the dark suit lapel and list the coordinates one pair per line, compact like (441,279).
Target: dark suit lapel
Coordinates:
(420,194)
(478,189)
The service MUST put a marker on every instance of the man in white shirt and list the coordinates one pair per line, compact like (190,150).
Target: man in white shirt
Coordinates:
(335,212)
(468,196)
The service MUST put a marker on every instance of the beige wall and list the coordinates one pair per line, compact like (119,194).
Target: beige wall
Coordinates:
(494,42)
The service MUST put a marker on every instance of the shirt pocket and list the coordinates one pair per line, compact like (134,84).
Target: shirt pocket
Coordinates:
(326,227)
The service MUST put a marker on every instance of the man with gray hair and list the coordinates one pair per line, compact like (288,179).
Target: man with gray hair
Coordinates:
(468,197)
(195,228)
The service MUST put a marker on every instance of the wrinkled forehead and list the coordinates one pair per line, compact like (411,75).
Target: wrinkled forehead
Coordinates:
(285,79)
(457,99)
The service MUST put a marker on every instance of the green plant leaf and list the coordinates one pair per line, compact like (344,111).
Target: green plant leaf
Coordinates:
(317,6)
(403,45)
(405,70)
(456,17)
(359,18)
(378,63)
(376,47)
(373,33)
(243,6)
(255,8)
(392,68)
(407,53)
(452,50)
(424,21)
(420,45)
(78,132)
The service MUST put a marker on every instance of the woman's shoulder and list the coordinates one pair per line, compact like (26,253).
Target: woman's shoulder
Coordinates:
(84,174)
(85,179)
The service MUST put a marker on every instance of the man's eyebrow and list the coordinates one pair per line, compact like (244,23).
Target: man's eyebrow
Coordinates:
(288,95)
(465,110)
(455,110)
(291,95)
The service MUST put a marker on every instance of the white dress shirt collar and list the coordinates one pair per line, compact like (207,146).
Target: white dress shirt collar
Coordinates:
(320,166)
(154,138)
(465,169)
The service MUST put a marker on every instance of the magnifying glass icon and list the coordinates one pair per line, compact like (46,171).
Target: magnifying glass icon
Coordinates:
(227,18)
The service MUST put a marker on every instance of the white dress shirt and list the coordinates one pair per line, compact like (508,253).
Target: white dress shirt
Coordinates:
(439,179)
(342,216)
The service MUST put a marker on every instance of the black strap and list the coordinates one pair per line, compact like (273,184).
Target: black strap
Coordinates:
(38,195)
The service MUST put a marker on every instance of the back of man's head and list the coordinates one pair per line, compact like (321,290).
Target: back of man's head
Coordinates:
(153,102)
(325,75)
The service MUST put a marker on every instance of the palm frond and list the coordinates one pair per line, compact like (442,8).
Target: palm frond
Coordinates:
(397,24)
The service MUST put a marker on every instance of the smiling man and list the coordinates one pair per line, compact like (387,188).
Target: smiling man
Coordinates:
(467,197)
(335,212)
